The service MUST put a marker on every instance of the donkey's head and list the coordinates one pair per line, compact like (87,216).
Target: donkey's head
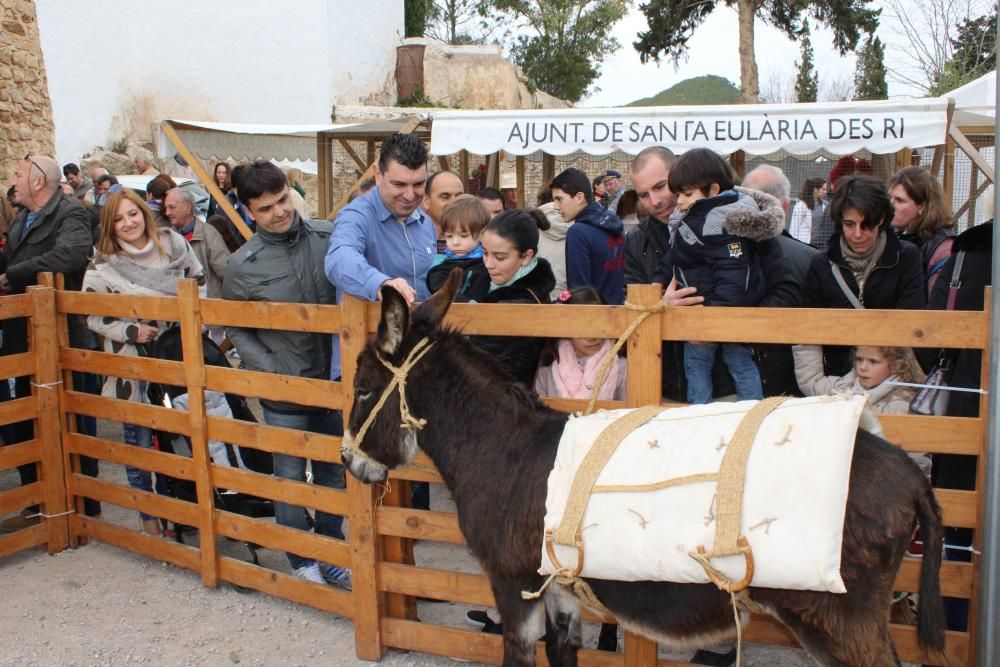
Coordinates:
(382,433)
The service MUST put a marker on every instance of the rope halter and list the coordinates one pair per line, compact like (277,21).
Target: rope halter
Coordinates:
(398,381)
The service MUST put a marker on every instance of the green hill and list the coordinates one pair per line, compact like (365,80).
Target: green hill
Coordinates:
(708,89)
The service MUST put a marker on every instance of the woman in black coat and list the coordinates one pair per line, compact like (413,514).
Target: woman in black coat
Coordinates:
(866,266)
(517,275)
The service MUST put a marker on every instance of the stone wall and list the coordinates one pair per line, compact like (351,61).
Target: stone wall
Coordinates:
(25,110)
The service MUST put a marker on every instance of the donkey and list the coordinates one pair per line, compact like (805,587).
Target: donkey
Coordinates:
(494,444)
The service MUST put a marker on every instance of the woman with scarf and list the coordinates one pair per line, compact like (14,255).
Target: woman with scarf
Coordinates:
(135,257)
(866,266)
(517,275)
(921,216)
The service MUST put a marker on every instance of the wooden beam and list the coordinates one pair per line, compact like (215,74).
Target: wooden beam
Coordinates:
(354,155)
(48,430)
(977,158)
(443,163)
(970,204)
(738,161)
(463,169)
(207,181)
(548,168)
(519,170)
(194,367)
(324,171)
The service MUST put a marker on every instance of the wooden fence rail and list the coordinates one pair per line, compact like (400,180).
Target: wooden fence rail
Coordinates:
(386,580)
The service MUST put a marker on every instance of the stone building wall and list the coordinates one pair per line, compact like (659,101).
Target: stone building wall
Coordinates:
(25,109)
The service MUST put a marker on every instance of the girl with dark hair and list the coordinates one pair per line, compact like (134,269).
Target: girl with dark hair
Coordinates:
(570,366)
(866,266)
(813,192)
(517,275)
(156,190)
(921,216)
(223,179)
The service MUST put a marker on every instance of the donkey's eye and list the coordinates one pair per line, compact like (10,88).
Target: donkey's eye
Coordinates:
(364,395)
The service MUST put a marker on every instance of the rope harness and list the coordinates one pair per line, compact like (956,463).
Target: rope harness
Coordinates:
(408,421)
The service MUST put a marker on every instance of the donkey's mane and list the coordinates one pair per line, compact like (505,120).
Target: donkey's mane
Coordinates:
(482,369)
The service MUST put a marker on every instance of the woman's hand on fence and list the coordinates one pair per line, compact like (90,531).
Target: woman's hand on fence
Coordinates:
(147,332)
(685,296)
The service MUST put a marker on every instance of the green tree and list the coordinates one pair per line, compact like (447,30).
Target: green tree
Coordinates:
(415,16)
(562,43)
(975,52)
(671,23)
(807,81)
(457,21)
(869,77)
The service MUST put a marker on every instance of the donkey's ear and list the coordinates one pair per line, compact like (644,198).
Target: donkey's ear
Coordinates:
(432,311)
(395,319)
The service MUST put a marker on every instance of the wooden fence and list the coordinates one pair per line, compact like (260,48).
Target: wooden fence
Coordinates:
(386,581)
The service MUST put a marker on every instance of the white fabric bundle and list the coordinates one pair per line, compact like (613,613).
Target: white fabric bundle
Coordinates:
(795,494)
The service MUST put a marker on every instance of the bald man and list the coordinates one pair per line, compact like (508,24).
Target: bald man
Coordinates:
(52,233)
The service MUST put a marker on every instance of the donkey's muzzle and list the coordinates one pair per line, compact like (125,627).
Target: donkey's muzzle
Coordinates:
(361,466)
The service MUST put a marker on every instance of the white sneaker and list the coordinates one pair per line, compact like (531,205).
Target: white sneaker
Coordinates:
(310,572)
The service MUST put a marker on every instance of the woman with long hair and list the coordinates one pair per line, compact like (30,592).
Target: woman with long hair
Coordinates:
(866,265)
(813,192)
(222,174)
(137,258)
(921,216)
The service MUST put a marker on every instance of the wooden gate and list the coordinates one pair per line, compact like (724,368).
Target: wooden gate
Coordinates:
(382,529)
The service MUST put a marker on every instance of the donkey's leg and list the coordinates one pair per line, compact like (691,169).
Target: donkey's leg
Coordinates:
(562,626)
(835,640)
(522,621)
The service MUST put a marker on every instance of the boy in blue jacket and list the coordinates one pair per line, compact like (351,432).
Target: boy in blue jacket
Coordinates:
(714,249)
(595,242)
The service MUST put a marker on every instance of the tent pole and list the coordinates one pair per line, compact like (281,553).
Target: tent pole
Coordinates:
(988,617)
(195,163)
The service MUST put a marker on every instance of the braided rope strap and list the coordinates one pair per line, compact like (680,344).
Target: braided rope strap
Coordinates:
(729,499)
(408,421)
(605,367)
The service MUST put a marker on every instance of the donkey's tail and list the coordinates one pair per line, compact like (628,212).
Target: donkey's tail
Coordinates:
(930,607)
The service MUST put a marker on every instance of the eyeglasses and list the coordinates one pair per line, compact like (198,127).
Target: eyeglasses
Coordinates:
(27,158)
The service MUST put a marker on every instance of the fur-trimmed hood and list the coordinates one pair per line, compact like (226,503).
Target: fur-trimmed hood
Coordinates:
(765,223)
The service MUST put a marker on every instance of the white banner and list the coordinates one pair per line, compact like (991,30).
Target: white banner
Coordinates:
(835,128)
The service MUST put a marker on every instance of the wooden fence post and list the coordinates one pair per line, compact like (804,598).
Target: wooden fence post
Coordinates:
(194,371)
(643,388)
(369,603)
(48,429)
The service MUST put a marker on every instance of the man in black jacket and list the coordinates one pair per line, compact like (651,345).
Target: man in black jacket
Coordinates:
(51,234)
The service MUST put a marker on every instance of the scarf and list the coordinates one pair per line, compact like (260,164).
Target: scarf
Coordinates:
(862,264)
(522,272)
(575,377)
(476,253)
(161,278)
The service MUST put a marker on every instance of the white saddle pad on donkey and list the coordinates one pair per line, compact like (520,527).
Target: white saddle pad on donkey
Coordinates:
(664,492)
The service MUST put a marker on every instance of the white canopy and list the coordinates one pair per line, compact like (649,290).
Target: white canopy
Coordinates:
(246,141)
(976,102)
(832,129)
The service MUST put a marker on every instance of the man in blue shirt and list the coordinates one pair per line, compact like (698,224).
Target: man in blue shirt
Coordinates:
(383,238)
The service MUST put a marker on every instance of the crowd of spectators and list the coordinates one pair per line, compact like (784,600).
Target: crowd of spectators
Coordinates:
(686,223)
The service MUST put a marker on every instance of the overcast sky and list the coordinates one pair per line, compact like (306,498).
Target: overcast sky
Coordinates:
(713,50)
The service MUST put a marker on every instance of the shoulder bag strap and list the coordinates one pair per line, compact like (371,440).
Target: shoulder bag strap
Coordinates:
(839,277)
(956,280)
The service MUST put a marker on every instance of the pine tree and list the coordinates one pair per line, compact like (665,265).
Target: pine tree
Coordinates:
(869,79)
(807,81)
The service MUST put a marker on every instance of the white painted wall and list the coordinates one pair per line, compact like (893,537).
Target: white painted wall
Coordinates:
(117,66)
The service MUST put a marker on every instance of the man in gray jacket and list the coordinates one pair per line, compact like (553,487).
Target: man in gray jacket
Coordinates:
(283,262)
(51,234)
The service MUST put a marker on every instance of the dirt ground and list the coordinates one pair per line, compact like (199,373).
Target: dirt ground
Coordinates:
(100,605)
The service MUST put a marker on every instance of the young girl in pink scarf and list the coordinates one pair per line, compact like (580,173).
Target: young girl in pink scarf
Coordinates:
(576,362)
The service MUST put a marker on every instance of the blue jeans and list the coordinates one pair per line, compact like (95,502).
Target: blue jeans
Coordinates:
(698,361)
(139,436)
(294,468)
